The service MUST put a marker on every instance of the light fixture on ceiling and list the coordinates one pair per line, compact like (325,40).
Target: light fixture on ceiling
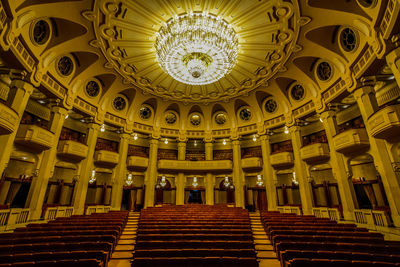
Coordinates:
(195,143)
(103,128)
(196,48)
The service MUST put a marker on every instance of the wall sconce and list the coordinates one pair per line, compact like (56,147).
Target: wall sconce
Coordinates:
(129,180)
(195,183)
(92,177)
(259,181)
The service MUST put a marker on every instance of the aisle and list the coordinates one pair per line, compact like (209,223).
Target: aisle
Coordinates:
(122,255)
(264,250)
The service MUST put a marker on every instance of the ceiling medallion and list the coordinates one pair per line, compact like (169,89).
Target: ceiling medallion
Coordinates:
(188,52)
(196,48)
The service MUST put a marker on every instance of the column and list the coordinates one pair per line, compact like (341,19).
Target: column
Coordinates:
(238,178)
(393,58)
(268,172)
(180,181)
(368,105)
(210,179)
(18,97)
(151,174)
(337,161)
(38,187)
(119,175)
(81,187)
(301,173)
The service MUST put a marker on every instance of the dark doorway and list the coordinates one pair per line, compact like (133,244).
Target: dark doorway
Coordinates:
(195,197)
(125,199)
(21,196)
(362,198)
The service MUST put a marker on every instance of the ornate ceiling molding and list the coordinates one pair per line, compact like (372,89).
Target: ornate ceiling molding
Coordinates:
(126,32)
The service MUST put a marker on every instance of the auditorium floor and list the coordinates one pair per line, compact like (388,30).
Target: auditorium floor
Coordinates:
(122,255)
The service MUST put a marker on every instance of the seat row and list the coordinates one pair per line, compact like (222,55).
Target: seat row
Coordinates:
(309,241)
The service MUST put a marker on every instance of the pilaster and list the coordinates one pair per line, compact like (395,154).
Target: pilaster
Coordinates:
(238,178)
(38,187)
(210,178)
(366,100)
(81,187)
(301,173)
(119,174)
(337,161)
(18,97)
(268,172)
(181,181)
(151,173)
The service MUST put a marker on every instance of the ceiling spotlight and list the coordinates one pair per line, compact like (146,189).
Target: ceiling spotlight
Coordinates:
(166,141)
(135,136)
(103,128)
(224,142)
(286,131)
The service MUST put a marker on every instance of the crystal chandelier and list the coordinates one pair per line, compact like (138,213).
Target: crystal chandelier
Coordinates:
(197,48)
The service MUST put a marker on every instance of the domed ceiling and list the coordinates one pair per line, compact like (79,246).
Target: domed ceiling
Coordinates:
(126,33)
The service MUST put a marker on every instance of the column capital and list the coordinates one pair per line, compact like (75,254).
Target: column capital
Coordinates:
(265,137)
(154,141)
(327,114)
(59,110)
(182,144)
(294,128)
(125,136)
(27,87)
(94,126)
(236,142)
(362,91)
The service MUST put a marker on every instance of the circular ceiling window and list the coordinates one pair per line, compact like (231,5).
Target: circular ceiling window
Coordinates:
(145,113)
(92,88)
(195,119)
(297,92)
(119,103)
(270,105)
(245,114)
(324,71)
(41,32)
(65,66)
(220,118)
(348,40)
(170,118)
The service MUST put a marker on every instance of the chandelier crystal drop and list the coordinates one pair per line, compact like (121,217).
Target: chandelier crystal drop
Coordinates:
(197,48)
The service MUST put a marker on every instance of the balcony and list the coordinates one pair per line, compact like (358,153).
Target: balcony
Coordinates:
(106,158)
(9,120)
(315,152)
(34,137)
(136,163)
(352,140)
(190,166)
(252,164)
(72,150)
(385,123)
(282,160)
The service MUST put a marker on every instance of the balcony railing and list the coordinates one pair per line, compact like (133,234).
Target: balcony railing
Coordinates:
(351,141)
(137,163)
(72,150)
(385,123)
(282,159)
(105,157)
(253,163)
(315,152)
(35,137)
(8,120)
(203,165)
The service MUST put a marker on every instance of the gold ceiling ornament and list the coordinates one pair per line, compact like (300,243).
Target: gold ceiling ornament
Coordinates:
(196,48)
(256,39)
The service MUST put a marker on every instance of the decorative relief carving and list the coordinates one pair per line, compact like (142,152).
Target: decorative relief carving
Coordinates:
(113,29)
